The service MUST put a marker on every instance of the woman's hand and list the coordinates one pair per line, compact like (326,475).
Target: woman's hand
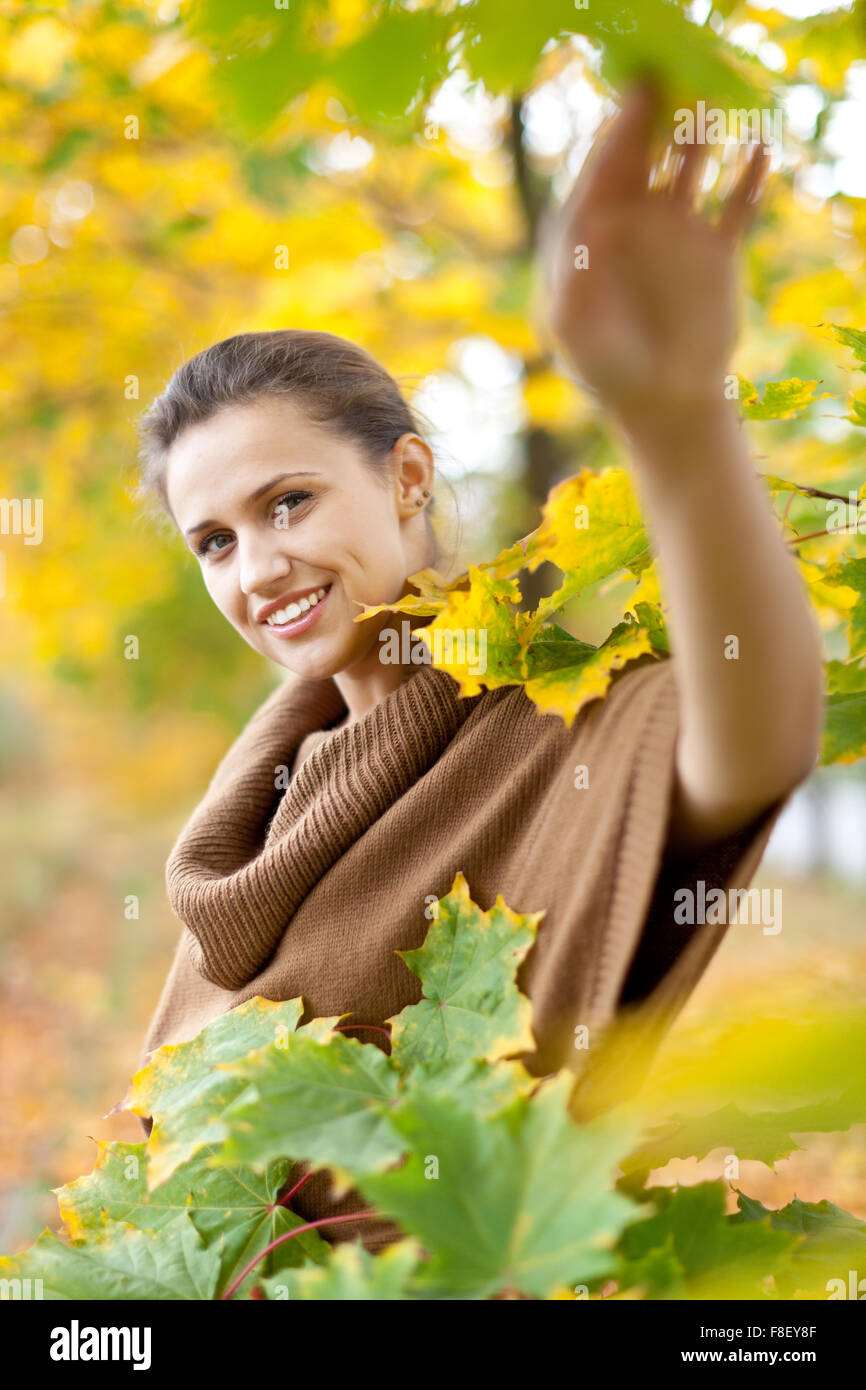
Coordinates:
(650,320)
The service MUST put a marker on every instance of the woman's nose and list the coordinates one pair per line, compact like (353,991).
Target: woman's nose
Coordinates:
(261,564)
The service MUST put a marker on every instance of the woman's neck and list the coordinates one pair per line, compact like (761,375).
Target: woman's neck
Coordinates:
(385,668)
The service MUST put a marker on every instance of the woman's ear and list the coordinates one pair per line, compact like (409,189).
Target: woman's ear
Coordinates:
(413,470)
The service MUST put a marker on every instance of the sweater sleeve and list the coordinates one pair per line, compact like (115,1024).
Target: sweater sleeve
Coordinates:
(697,897)
(629,922)
(693,900)
(666,948)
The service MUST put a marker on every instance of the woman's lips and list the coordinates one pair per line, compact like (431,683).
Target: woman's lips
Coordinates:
(295,626)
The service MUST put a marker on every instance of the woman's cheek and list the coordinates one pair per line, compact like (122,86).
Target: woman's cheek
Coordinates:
(225,598)
(213,590)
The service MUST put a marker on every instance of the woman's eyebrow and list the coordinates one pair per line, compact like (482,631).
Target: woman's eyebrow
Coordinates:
(254,496)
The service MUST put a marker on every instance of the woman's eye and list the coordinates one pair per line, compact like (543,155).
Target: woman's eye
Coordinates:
(283,508)
(204,549)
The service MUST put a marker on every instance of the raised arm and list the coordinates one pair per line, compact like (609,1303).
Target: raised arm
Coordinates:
(648,322)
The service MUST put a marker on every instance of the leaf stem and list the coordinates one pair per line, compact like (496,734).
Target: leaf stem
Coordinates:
(837,531)
(817,492)
(374,1027)
(284,1201)
(289,1235)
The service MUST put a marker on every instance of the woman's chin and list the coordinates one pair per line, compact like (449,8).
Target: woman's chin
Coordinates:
(313,665)
(308,670)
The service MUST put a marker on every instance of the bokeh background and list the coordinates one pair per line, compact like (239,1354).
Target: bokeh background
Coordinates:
(155,159)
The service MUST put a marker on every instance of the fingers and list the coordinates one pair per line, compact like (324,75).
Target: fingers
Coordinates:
(618,163)
(739,208)
(688,178)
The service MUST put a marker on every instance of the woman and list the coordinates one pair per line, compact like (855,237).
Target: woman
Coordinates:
(295,471)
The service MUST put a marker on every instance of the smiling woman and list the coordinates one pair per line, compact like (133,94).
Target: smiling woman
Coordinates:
(294,469)
(362,786)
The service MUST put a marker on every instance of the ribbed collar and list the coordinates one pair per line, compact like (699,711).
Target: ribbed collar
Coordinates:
(250,854)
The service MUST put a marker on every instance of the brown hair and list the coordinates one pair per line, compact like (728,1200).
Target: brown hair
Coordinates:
(336,382)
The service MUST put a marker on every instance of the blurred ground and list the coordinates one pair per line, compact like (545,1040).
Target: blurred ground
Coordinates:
(79,982)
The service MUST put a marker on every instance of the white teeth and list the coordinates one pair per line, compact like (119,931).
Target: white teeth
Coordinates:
(294,610)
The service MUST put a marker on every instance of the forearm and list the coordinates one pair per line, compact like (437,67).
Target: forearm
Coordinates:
(746,640)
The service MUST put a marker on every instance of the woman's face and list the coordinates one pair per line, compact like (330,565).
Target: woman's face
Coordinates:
(277,509)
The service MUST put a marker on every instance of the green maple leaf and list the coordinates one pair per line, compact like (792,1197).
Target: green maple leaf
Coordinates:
(690,1232)
(855,339)
(845,677)
(505,38)
(487,1088)
(777,485)
(492,49)
(467,966)
(689,60)
(186,1086)
(328,1098)
(477,602)
(234,1204)
(782,399)
(483,605)
(554,649)
(844,729)
(656,1271)
(591,529)
(858,408)
(814,1219)
(521,1199)
(561,680)
(844,713)
(850,573)
(119,1263)
(764,1136)
(352,1274)
(263,60)
(833,1241)
(844,738)
(323,1100)
(397,58)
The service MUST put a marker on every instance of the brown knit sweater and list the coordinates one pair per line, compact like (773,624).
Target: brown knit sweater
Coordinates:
(311,891)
